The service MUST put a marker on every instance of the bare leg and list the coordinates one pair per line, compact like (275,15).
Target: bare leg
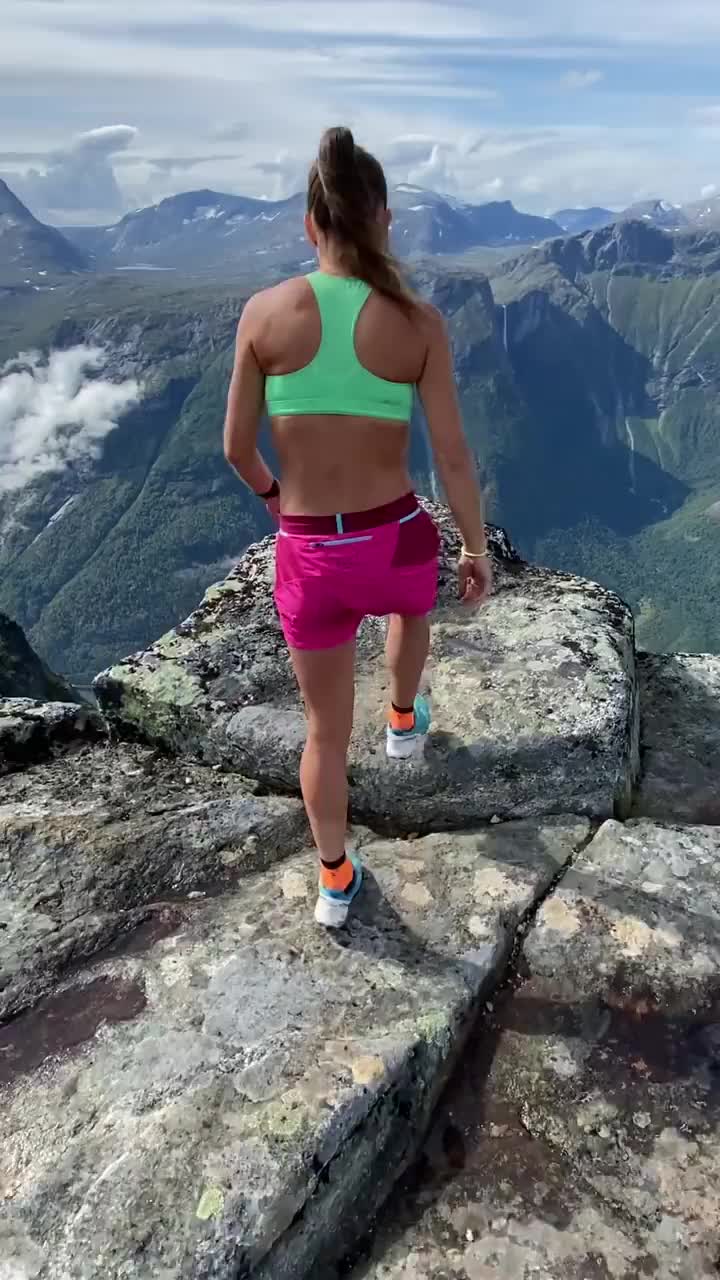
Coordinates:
(406,651)
(327,683)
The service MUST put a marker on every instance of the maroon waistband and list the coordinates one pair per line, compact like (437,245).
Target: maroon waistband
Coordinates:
(353,521)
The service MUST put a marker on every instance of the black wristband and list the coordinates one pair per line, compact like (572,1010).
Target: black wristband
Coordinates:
(273,492)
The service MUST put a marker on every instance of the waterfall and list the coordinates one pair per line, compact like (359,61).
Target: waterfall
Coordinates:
(631,442)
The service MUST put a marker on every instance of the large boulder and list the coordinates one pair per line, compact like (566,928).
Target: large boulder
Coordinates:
(534,697)
(23,674)
(104,840)
(680,700)
(239,1098)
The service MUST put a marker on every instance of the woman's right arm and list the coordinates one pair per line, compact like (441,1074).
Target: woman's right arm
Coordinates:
(454,460)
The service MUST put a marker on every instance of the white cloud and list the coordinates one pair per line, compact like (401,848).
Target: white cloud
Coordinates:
(436,172)
(708,114)
(205,78)
(54,413)
(530,184)
(615,22)
(708,191)
(539,168)
(414,148)
(79,179)
(105,140)
(434,19)
(581,79)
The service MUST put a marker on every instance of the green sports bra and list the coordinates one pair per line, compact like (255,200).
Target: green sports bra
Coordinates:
(335,382)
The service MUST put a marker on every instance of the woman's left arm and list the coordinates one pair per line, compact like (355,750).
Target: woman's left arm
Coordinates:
(246,398)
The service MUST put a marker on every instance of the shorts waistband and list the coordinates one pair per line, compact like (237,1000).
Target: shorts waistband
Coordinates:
(352,521)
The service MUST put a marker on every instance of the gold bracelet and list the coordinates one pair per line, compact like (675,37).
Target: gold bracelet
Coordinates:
(475,555)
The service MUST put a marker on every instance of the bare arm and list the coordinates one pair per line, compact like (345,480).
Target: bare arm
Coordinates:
(454,460)
(246,398)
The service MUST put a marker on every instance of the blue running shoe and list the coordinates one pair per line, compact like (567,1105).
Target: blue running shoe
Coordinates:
(408,744)
(332,907)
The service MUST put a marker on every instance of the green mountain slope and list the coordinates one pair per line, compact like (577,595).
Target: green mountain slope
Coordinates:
(614,341)
(98,560)
(80,554)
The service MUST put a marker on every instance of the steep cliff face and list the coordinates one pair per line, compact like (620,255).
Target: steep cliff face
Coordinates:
(92,556)
(40,715)
(23,674)
(614,343)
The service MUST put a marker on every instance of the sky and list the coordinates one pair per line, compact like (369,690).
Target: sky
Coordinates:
(549,103)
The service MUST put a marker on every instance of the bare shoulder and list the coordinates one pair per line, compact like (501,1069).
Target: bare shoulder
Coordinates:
(280,295)
(261,308)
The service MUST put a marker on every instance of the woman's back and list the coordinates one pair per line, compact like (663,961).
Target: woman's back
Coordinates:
(336,357)
(340,362)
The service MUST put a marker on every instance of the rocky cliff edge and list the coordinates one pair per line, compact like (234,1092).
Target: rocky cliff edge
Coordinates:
(196,1082)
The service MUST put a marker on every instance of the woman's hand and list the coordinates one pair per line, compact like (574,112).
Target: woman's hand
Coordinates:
(475,577)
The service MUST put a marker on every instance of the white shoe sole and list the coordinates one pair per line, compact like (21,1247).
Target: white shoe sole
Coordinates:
(331,915)
(405,748)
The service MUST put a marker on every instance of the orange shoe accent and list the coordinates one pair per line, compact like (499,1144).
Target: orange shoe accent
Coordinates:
(402,722)
(338,880)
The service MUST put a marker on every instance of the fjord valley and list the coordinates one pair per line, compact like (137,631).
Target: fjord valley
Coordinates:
(587,366)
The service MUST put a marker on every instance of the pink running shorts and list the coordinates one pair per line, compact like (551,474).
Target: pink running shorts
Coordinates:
(326,583)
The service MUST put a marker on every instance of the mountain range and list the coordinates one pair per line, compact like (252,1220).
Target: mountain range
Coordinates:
(212,233)
(202,230)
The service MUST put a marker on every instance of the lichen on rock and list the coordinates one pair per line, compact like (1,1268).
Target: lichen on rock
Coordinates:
(245,1084)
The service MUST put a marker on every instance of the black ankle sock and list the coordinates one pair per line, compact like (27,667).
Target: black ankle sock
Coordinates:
(334,866)
(402,711)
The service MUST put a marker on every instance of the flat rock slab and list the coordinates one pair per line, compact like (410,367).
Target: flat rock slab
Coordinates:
(31,731)
(94,844)
(239,1099)
(616,1054)
(636,921)
(680,703)
(534,698)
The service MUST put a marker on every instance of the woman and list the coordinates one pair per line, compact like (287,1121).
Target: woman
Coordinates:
(336,356)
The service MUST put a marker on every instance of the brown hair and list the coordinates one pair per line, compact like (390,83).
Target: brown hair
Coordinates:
(346,188)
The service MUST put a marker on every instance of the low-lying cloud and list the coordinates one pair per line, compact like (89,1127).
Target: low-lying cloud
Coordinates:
(55,412)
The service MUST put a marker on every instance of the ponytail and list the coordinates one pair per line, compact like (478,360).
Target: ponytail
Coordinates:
(346,189)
